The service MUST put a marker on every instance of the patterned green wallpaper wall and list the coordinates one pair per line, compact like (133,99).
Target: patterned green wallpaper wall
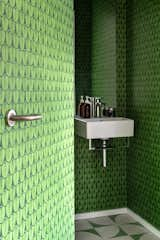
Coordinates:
(97,188)
(143,105)
(82,48)
(36,158)
(103,51)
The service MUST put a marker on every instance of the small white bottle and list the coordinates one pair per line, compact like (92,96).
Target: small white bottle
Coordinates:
(93,106)
(98,108)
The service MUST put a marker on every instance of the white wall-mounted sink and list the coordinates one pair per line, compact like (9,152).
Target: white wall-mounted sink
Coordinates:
(104,128)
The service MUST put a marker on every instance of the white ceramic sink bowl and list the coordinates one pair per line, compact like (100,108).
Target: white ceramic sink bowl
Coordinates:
(104,128)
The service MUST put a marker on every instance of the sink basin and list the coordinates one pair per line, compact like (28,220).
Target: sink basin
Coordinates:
(104,128)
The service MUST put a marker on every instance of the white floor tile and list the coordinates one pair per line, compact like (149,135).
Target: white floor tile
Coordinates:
(133,229)
(149,236)
(121,238)
(101,221)
(124,218)
(108,231)
(86,236)
(82,225)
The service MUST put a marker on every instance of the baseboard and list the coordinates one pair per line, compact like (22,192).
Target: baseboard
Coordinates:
(100,213)
(128,211)
(142,221)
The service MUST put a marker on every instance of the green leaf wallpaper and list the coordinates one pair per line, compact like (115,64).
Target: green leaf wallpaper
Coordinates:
(143,105)
(103,51)
(137,86)
(37,158)
(97,188)
(37,76)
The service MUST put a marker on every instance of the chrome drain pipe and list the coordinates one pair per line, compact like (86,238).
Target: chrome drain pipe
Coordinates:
(104,153)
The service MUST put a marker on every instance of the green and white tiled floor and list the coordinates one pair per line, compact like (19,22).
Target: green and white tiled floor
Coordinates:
(117,227)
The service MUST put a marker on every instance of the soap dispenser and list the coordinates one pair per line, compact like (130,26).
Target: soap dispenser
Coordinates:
(87,108)
(80,106)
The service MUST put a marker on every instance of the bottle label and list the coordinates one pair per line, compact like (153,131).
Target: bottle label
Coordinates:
(87,111)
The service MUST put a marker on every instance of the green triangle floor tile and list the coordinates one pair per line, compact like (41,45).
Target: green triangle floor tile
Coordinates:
(86,236)
(108,231)
(137,236)
(93,231)
(101,221)
(121,233)
(113,217)
(136,223)
(82,225)
(94,225)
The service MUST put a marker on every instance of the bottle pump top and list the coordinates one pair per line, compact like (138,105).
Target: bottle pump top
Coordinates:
(87,99)
(81,99)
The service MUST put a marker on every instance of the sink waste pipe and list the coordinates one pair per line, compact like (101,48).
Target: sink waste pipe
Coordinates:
(104,152)
(104,147)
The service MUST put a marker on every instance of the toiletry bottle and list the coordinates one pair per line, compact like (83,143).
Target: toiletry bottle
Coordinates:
(111,112)
(82,109)
(105,111)
(102,108)
(93,106)
(87,108)
(98,107)
(80,106)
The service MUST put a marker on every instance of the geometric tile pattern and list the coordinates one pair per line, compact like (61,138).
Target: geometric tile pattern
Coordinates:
(98,188)
(116,227)
(36,158)
(143,105)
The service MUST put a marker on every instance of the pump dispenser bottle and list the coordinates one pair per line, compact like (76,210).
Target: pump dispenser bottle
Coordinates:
(87,108)
(80,106)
